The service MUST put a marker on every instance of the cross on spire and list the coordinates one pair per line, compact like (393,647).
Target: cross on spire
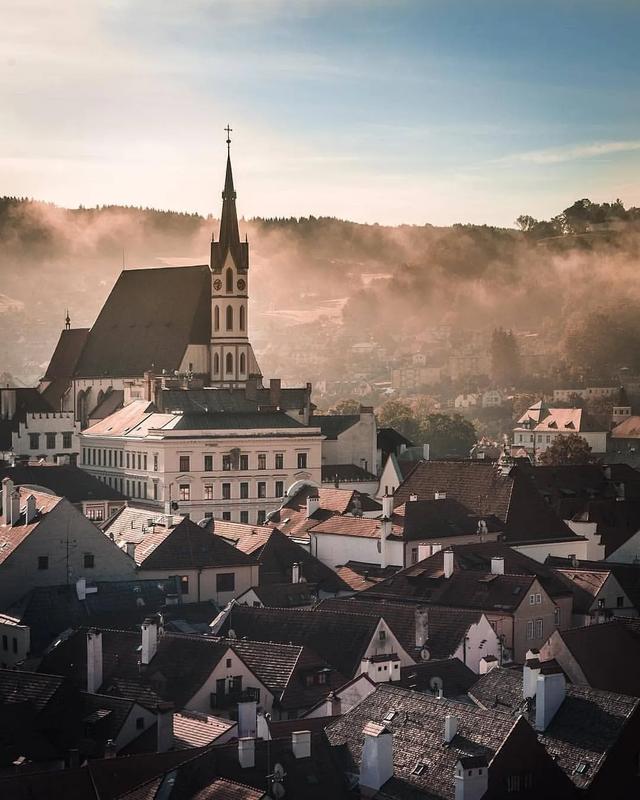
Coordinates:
(228,130)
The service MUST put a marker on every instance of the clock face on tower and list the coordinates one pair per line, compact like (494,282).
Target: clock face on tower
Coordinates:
(241,285)
(217,284)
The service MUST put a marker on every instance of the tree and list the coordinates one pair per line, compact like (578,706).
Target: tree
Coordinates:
(505,357)
(526,223)
(447,436)
(571,449)
(399,415)
(343,407)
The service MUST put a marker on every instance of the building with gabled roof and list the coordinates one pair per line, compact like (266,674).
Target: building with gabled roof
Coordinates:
(538,427)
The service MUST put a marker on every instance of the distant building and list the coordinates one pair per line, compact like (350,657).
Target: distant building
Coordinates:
(586,393)
(539,426)
(463,401)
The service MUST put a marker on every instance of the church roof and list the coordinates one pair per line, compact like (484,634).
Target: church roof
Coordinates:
(147,322)
(68,351)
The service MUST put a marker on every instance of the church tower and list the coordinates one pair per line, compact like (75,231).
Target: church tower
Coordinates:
(232,357)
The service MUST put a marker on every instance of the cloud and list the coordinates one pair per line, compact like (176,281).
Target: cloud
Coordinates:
(573,153)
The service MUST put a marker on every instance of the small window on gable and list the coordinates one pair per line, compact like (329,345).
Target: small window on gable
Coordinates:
(228,277)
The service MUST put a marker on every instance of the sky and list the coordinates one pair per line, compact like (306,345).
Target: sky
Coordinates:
(388,111)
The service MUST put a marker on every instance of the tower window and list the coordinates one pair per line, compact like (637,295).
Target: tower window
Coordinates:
(229,318)
(229,364)
(229,280)
(243,363)
(216,318)
(242,318)
(216,363)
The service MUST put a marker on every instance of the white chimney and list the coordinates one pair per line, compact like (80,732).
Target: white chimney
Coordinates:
(550,693)
(530,673)
(422,626)
(426,451)
(164,724)
(450,727)
(30,509)
(440,496)
(247,752)
(486,664)
(94,661)
(471,778)
(413,497)
(7,491)
(12,514)
(448,563)
(497,565)
(387,506)
(376,766)
(385,531)
(149,640)
(247,719)
(301,744)
(295,573)
(313,504)
(81,589)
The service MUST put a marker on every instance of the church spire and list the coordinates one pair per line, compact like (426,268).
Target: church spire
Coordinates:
(229,241)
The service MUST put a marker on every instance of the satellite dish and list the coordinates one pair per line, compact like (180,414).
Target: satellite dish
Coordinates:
(436,684)
(425,655)
(278,772)
(231,634)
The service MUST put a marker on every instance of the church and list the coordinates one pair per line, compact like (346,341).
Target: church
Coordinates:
(180,323)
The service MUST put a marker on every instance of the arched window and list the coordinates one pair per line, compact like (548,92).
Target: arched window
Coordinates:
(242,318)
(243,363)
(229,280)
(229,364)
(229,318)
(216,318)
(216,364)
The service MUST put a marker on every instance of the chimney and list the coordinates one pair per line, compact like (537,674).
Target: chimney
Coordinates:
(422,626)
(387,506)
(313,504)
(448,563)
(295,573)
(550,693)
(81,588)
(149,639)
(247,752)
(7,491)
(301,744)
(497,565)
(426,451)
(94,660)
(530,673)
(440,496)
(335,704)
(30,509)
(164,725)
(131,549)
(385,531)
(486,664)
(450,727)
(110,749)
(413,497)
(471,778)
(247,719)
(376,766)
(274,392)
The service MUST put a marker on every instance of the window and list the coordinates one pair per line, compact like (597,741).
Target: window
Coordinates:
(43,562)
(226,463)
(184,584)
(532,599)
(228,279)
(139,461)
(262,515)
(216,318)
(262,460)
(513,783)
(121,457)
(155,490)
(185,491)
(529,629)
(208,463)
(128,461)
(226,516)
(95,513)
(184,463)
(144,462)
(229,318)
(216,364)
(539,629)
(556,616)
(262,489)
(279,460)
(244,490)
(538,599)
(414,555)
(155,462)
(89,561)
(619,602)
(382,635)
(225,582)
(601,602)
(243,359)
(242,318)
(228,663)
(244,517)
(51,440)
(34,441)
(226,491)
(208,514)
(67,440)
(279,488)
(244,461)
(229,364)
(208,491)
(302,460)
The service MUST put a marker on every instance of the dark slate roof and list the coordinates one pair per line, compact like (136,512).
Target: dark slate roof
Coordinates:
(608,654)
(285,595)
(341,639)
(418,727)
(228,421)
(389,440)
(447,626)
(227,400)
(147,322)
(485,491)
(332,425)
(64,481)
(340,473)
(65,357)
(19,687)
(584,729)
(450,674)
(443,518)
